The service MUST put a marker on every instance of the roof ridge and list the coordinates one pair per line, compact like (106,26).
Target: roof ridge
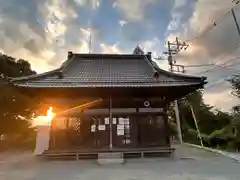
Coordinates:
(155,72)
(179,75)
(66,64)
(33,76)
(99,56)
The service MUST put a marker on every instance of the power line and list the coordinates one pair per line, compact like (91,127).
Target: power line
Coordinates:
(214,84)
(227,67)
(238,29)
(235,20)
(221,80)
(216,66)
(173,49)
(212,25)
(198,65)
(208,29)
(206,65)
(220,60)
(209,70)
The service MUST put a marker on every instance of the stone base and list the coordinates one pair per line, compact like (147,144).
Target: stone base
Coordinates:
(110,158)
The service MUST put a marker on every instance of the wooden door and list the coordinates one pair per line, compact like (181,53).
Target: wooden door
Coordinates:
(124,131)
(151,131)
(102,131)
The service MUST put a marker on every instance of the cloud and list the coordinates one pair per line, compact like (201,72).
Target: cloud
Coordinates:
(94,4)
(110,49)
(179,3)
(152,45)
(218,42)
(43,31)
(2,51)
(224,98)
(133,10)
(122,22)
(175,22)
(42,36)
(39,62)
(216,45)
(57,19)
(176,14)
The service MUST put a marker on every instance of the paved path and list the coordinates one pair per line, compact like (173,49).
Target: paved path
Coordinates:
(234,155)
(188,164)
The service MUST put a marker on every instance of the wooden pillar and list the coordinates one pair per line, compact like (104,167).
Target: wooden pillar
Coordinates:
(110,124)
(67,123)
(138,143)
(52,135)
(166,125)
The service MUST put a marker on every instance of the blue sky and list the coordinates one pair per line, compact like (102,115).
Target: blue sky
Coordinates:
(123,23)
(43,31)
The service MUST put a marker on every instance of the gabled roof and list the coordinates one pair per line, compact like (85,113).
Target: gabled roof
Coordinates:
(107,70)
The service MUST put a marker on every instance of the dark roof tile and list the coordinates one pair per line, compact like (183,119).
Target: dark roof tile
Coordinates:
(91,70)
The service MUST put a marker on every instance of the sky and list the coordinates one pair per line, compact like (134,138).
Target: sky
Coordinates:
(43,31)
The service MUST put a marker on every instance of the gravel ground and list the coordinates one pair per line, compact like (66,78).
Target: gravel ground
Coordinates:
(188,164)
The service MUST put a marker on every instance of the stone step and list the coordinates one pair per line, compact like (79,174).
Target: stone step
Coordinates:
(110,158)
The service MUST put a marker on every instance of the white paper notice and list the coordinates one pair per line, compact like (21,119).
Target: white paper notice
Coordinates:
(114,121)
(126,120)
(121,120)
(106,120)
(120,132)
(127,141)
(93,128)
(101,127)
(120,127)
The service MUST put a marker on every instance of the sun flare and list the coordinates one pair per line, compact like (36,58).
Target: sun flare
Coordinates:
(44,120)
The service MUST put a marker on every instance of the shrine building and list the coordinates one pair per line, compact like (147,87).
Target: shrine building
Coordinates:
(128,96)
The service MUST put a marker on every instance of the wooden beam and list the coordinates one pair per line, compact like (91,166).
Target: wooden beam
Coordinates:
(166,126)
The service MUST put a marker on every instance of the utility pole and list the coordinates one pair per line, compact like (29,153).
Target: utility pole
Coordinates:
(196,124)
(235,20)
(90,42)
(176,109)
(173,49)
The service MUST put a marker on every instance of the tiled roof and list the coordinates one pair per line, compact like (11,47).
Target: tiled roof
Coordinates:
(105,70)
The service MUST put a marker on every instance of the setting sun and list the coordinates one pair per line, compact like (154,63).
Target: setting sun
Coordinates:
(44,120)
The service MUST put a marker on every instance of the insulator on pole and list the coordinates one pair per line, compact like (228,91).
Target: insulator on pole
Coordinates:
(170,60)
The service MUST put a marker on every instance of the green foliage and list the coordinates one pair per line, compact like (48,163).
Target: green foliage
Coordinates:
(12,67)
(217,128)
(15,110)
(235,81)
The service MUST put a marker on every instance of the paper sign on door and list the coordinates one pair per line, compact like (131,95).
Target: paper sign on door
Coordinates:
(101,127)
(114,120)
(120,132)
(120,126)
(106,120)
(93,128)
(121,120)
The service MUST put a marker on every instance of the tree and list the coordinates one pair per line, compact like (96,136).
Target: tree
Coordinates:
(235,82)
(214,125)
(16,109)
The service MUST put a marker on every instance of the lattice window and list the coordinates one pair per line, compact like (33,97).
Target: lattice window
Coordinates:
(60,123)
(75,124)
